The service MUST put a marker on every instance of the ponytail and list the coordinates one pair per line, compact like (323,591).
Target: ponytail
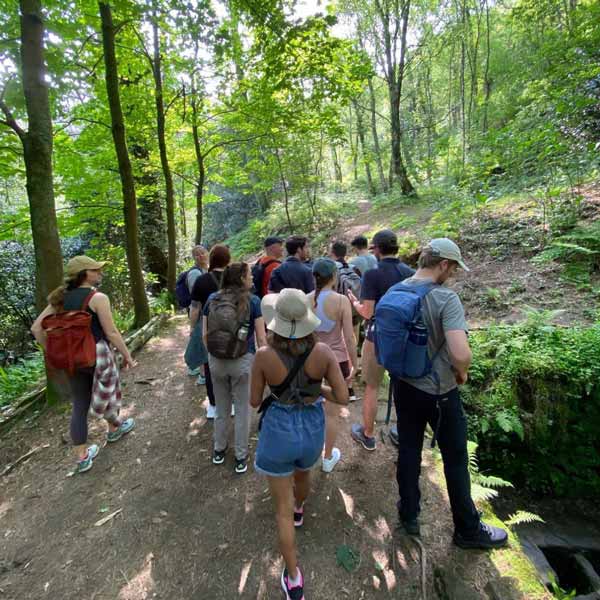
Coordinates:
(56,298)
(320,283)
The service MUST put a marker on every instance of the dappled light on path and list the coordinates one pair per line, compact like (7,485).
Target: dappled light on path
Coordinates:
(348,503)
(141,587)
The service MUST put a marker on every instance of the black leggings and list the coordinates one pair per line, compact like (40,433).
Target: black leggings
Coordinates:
(81,390)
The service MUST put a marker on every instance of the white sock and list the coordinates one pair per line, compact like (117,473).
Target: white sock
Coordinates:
(295,582)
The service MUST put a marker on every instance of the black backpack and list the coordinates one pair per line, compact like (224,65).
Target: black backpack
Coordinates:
(258,275)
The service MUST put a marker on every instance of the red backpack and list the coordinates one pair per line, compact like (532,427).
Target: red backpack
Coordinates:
(70,343)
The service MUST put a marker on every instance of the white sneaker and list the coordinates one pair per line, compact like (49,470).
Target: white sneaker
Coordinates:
(329,463)
(232,410)
(211,412)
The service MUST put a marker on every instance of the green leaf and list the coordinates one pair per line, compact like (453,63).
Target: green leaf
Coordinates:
(347,558)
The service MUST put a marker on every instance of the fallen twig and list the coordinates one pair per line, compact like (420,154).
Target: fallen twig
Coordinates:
(107,518)
(22,459)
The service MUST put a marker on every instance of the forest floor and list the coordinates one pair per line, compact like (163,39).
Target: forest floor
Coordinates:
(501,241)
(190,530)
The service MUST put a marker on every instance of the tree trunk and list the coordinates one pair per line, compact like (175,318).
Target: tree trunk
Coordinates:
(378,158)
(337,169)
(182,218)
(37,154)
(286,197)
(360,128)
(164,161)
(140,301)
(200,164)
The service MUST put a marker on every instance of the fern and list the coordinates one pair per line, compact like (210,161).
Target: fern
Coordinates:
(522,516)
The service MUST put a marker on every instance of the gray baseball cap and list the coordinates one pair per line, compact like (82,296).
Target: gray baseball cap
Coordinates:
(446,248)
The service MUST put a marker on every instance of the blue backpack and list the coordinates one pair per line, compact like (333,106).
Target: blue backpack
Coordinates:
(400,332)
(181,289)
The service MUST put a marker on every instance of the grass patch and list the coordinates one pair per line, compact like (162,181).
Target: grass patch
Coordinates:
(17,379)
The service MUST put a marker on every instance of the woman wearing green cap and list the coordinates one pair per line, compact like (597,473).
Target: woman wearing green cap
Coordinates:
(83,275)
(336,331)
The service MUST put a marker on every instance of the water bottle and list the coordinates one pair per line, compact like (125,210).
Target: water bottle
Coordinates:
(416,361)
(243,332)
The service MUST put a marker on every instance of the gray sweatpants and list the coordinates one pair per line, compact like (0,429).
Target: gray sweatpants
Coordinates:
(231,383)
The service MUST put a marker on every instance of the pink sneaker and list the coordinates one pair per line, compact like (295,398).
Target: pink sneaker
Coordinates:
(292,593)
(298,516)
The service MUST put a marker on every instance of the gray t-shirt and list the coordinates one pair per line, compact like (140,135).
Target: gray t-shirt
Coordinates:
(442,311)
(364,262)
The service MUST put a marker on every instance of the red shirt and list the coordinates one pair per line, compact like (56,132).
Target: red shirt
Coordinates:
(273,264)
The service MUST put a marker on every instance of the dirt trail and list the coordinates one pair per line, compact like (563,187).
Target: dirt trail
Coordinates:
(191,530)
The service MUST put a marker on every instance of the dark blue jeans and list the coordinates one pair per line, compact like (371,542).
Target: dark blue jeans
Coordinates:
(414,410)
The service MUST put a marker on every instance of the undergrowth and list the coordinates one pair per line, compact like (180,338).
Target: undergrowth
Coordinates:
(17,379)
(533,404)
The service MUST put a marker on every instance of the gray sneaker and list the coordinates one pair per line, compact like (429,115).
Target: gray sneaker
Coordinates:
(358,435)
(126,427)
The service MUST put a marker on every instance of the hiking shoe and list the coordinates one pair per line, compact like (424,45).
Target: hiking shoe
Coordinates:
(201,380)
(86,463)
(219,456)
(241,465)
(394,435)
(411,526)
(486,538)
(194,372)
(352,398)
(125,427)
(211,412)
(329,463)
(292,593)
(298,516)
(358,435)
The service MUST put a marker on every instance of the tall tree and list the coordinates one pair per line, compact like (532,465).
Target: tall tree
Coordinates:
(393,19)
(164,159)
(140,301)
(37,150)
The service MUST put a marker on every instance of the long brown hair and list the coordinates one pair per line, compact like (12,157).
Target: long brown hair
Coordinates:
(56,297)
(233,283)
(291,347)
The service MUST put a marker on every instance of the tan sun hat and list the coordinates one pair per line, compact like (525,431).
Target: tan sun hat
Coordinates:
(288,314)
(82,263)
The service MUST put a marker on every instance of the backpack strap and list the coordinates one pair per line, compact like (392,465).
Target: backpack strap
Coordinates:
(300,360)
(86,302)
(272,397)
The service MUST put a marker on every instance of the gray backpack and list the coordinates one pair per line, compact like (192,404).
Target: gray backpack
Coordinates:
(227,332)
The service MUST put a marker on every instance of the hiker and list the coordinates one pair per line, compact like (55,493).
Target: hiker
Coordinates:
(335,331)
(375,283)
(364,261)
(348,279)
(293,365)
(218,258)
(434,397)
(293,272)
(95,388)
(233,326)
(195,353)
(261,272)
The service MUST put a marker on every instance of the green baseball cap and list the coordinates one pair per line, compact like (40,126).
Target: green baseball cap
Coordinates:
(446,248)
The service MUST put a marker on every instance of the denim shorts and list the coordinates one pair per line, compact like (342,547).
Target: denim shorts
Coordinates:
(291,439)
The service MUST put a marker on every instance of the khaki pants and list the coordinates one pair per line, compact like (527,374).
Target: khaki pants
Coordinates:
(231,383)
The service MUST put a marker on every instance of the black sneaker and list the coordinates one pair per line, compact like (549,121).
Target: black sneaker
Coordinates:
(292,593)
(241,465)
(219,456)
(487,538)
(411,526)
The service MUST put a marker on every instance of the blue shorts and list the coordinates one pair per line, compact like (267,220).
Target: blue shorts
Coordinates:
(291,439)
